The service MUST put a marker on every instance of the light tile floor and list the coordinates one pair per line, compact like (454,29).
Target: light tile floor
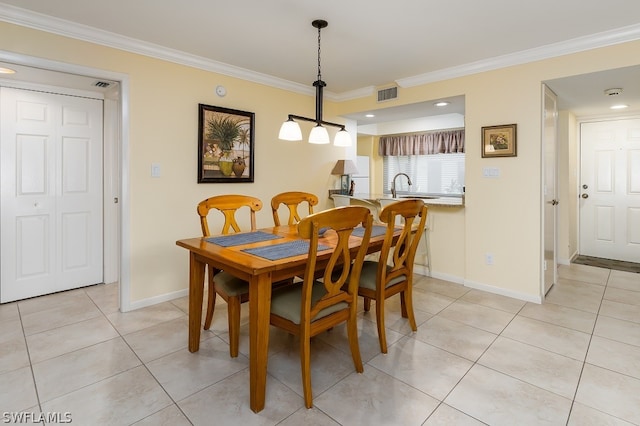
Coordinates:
(477,358)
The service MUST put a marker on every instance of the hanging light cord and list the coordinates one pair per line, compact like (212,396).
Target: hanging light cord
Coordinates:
(319,85)
(319,73)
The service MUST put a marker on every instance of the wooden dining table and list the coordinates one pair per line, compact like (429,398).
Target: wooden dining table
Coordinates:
(260,273)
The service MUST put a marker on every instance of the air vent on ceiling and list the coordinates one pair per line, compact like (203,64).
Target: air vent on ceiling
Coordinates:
(387,94)
(102,84)
(612,92)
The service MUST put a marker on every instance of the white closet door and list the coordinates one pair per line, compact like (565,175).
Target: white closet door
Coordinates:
(51,193)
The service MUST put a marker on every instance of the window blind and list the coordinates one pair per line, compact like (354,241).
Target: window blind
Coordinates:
(438,173)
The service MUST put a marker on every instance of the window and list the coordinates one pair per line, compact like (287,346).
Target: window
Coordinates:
(437,173)
(434,161)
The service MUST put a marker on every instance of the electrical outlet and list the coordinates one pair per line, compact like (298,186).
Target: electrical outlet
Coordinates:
(488,258)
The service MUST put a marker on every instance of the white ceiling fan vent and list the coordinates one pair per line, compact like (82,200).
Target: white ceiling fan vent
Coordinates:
(387,94)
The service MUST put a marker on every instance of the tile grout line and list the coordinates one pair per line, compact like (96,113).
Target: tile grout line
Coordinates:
(586,354)
(33,376)
(411,335)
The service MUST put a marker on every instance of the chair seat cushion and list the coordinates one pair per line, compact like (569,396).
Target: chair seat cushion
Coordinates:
(229,284)
(369,274)
(286,303)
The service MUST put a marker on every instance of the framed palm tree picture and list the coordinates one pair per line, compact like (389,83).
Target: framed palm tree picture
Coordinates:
(225,145)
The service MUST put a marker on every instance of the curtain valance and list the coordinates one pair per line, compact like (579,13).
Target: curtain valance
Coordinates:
(439,142)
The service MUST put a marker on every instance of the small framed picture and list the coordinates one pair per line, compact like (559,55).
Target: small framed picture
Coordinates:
(499,141)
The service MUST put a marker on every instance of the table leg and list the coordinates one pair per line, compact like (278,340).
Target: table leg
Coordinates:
(259,312)
(196,293)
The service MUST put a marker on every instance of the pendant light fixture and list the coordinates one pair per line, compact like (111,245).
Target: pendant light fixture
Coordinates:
(290,130)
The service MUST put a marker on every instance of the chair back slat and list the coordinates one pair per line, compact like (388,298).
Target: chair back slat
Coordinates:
(228,205)
(292,200)
(342,220)
(413,215)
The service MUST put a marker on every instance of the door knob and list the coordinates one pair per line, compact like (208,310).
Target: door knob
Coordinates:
(585,186)
(585,195)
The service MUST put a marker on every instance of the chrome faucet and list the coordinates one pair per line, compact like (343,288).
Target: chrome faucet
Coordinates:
(393,183)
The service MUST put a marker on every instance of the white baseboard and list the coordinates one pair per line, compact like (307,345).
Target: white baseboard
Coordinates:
(503,292)
(568,261)
(447,277)
(419,269)
(157,299)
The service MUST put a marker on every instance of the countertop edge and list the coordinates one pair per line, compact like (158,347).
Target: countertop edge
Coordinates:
(435,202)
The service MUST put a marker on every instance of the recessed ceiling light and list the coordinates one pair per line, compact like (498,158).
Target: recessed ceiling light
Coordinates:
(369,115)
(621,106)
(441,103)
(7,71)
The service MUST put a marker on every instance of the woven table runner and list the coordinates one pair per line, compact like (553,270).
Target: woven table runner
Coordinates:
(375,231)
(280,251)
(242,238)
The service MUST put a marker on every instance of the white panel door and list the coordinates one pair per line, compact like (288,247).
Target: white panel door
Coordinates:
(51,193)
(550,188)
(610,190)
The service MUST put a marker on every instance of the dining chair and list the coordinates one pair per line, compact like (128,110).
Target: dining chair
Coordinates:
(318,305)
(292,200)
(393,272)
(233,290)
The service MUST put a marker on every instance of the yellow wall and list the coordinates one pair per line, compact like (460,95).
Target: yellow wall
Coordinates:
(164,100)
(446,242)
(501,216)
(568,158)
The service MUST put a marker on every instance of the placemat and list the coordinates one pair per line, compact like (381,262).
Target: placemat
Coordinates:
(280,251)
(241,238)
(375,231)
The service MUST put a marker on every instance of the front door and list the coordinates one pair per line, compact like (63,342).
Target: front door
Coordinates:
(610,189)
(51,193)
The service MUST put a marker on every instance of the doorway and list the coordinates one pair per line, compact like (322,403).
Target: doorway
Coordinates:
(52,195)
(550,188)
(116,166)
(610,189)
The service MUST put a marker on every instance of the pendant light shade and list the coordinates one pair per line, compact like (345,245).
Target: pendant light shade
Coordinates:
(319,135)
(342,138)
(290,130)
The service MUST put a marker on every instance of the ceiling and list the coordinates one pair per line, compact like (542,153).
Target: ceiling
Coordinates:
(367,44)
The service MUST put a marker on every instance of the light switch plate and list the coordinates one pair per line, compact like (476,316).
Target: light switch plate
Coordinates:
(491,172)
(155,170)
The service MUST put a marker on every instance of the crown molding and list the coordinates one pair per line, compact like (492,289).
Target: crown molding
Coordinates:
(579,44)
(38,21)
(353,94)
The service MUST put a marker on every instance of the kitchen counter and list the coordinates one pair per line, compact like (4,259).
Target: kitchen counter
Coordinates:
(444,231)
(429,200)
